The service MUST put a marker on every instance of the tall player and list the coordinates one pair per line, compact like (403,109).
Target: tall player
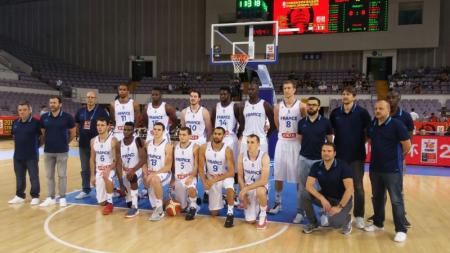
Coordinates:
(185,172)
(253,170)
(158,111)
(104,150)
(286,114)
(197,118)
(123,109)
(256,112)
(156,171)
(133,157)
(219,174)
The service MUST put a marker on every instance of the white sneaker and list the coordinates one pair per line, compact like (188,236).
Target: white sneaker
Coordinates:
(82,195)
(373,228)
(62,202)
(48,202)
(298,218)
(400,237)
(359,222)
(34,201)
(16,200)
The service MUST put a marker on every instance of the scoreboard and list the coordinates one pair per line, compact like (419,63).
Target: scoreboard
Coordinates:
(297,17)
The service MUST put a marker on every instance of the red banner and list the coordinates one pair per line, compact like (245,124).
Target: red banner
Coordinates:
(432,126)
(6,125)
(426,150)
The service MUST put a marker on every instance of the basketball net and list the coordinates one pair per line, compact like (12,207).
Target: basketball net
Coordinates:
(239,62)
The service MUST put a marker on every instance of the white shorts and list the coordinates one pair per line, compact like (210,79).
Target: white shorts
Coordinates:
(127,183)
(263,145)
(286,161)
(165,180)
(180,191)
(252,210)
(100,185)
(231,141)
(215,193)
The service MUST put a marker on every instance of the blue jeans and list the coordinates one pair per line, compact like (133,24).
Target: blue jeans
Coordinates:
(20,168)
(393,183)
(85,155)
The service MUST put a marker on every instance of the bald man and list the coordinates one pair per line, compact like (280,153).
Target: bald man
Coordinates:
(86,125)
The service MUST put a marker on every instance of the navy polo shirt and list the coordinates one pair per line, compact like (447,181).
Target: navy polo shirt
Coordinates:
(88,119)
(313,136)
(57,131)
(330,181)
(404,117)
(349,131)
(386,153)
(26,139)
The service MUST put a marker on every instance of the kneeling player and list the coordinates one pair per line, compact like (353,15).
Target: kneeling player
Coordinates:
(185,172)
(253,170)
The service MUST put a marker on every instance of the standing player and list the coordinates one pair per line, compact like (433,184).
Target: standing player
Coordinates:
(132,154)
(219,173)
(256,112)
(185,172)
(286,114)
(123,109)
(253,170)
(104,148)
(197,118)
(159,111)
(156,171)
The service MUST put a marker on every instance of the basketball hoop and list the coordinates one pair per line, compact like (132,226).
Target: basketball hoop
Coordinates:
(239,62)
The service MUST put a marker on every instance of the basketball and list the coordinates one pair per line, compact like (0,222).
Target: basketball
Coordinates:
(173,208)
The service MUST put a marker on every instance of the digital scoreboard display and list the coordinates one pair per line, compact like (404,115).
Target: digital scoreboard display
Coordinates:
(317,16)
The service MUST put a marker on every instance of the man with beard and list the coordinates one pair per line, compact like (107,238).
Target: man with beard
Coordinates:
(219,174)
(197,118)
(314,130)
(123,109)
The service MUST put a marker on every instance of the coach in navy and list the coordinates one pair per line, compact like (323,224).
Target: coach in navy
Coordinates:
(86,125)
(389,144)
(394,97)
(313,130)
(58,129)
(26,132)
(350,122)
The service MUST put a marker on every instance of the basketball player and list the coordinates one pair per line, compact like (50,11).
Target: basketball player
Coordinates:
(158,111)
(104,148)
(286,115)
(133,157)
(123,109)
(156,171)
(219,174)
(253,170)
(185,172)
(197,118)
(256,112)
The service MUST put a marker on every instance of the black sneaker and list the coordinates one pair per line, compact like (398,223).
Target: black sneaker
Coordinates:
(309,228)
(370,219)
(407,224)
(229,221)
(191,213)
(205,198)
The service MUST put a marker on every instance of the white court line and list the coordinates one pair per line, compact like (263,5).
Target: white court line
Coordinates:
(55,238)
(281,231)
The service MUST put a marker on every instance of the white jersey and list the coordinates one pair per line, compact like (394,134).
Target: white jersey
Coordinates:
(123,113)
(225,118)
(184,161)
(216,161)
(195,121)
(252,169)
(255,119)
(103,152)
(288,118)
(129,154)
(156,155)
(157,115)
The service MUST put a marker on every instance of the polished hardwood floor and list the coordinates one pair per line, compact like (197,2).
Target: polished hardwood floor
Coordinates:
(84,229)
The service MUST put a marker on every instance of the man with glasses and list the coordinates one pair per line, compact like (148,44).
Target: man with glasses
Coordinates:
(86,125)
(314,130)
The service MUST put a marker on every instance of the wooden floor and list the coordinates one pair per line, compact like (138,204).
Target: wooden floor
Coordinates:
(84,228)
